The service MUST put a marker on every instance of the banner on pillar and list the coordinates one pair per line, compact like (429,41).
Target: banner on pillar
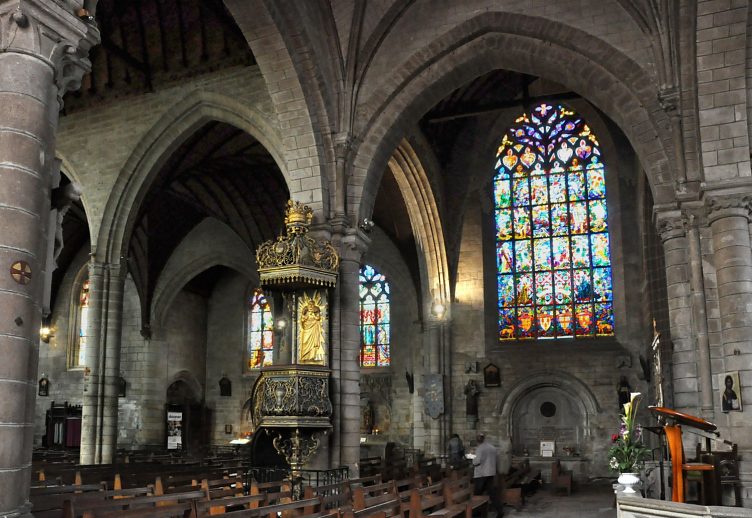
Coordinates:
(434,397)
(174,430)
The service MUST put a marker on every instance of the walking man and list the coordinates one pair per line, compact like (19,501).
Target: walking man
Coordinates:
(484,477)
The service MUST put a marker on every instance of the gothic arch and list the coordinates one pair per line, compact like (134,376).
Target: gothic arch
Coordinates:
(288,65)
(425,220)
(172,129)
(191,381)
(531,45)
(210,243)
(563,381)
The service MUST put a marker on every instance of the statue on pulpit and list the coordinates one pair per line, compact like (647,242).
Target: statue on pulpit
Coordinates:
(311,334)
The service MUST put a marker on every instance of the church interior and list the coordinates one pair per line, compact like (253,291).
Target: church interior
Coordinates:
(326,236)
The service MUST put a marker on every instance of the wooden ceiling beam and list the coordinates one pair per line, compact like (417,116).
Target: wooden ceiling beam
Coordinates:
(474,110)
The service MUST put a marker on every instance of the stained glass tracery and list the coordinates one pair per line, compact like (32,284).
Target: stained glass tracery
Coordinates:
(260,331)
(552,241)
(83,323)
(374,318)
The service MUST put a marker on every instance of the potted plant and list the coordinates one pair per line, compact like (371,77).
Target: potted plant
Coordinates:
(627,455)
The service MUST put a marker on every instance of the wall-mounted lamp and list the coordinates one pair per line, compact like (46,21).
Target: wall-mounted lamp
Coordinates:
(281,323)
(84,15)
(45,333)
(438,310)
(367,225)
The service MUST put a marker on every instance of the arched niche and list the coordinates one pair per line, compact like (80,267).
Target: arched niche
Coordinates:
(520,410)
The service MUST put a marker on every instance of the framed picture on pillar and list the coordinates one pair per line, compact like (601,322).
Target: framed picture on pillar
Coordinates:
(731,393)
(491,376)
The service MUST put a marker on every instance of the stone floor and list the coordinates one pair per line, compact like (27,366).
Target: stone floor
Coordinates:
(587,500)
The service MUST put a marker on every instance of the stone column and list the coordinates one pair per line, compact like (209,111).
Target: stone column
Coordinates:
(102,358)
(684,361)
(43,48)
(354,244)
(729,222)
(699,315)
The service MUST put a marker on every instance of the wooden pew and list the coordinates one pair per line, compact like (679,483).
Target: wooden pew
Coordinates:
(286,510)
(332,496)
(90,507)
(386,509)
(368,496)
(371,466)
(48,502)
(459,498)
(425,501)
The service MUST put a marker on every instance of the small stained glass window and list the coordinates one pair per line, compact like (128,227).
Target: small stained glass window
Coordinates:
(552,241)
(374,319)
(260,331)
(79,359)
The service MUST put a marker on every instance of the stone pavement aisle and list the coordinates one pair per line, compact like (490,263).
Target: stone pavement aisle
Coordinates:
(587,500)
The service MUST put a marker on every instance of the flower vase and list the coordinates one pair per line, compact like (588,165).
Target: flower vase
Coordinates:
(629,480)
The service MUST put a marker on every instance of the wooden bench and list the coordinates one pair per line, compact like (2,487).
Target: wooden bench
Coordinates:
(299,508)
(49,501)
(561,479)
(370,466)
(512,484)
(332,496)
(429,501)
(92,507)
(387,509)
(459,498)
(368,496)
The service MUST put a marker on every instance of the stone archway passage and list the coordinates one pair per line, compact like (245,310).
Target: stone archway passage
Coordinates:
(547,414)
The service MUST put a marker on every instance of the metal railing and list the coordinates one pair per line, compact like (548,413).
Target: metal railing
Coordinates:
(307,477)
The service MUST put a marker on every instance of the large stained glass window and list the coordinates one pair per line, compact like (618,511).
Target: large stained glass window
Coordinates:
(260,331)
(374,318)
(552,241)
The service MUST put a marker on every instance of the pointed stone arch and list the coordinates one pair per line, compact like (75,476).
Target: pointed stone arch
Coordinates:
(287,63)
(606,77)
(425,220)
(210,243)
(156,146)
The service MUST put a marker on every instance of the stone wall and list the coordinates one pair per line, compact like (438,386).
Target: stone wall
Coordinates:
(226,335)
(394,417)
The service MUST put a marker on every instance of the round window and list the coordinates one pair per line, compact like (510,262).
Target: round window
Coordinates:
(548,409)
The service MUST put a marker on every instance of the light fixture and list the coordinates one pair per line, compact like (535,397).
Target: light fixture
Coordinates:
(367,225)
(84,15)
(281,323)
(438,309)
(45,333)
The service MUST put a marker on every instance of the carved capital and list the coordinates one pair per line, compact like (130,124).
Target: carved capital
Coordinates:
(669,98)
(694,217)
(670,225)
(58,32)
(354,244)
(343,144)
(735,205)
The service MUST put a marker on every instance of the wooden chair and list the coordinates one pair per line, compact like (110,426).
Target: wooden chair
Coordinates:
(679,468)
(561,479)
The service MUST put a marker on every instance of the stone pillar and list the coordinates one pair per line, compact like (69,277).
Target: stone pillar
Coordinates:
(354,244)
(684,360)
(699,315)
(729,222)
(100,408)
(42,54)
